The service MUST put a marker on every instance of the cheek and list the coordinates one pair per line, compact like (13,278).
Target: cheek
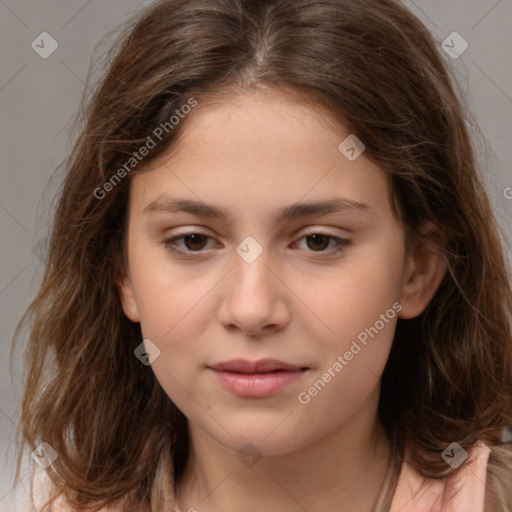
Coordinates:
(353,355)
(173,316)
(365,287)
(360,307)
(167,294)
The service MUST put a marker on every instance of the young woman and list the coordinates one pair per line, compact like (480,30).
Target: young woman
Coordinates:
(275,281)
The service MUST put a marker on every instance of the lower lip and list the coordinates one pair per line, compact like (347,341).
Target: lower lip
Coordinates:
(256,385)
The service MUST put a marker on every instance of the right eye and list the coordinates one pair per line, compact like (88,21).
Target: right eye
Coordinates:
(193,241)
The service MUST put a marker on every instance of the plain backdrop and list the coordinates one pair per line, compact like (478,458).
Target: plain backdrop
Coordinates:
(39,97)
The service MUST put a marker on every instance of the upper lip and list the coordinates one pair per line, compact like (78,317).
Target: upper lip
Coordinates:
(261,366)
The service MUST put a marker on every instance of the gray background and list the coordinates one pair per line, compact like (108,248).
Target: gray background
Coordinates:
(39,97)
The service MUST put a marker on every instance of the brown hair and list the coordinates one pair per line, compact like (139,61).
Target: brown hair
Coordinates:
(377,68)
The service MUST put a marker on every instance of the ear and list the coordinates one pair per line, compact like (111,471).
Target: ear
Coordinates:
(127,297)
(424,270)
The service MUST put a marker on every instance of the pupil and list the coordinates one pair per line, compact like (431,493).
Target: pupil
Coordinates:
(317,237)
(195,238)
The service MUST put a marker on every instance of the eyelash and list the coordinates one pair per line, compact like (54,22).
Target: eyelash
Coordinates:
(170,244)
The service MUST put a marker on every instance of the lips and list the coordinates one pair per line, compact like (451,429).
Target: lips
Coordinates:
(256,379)
(261,366)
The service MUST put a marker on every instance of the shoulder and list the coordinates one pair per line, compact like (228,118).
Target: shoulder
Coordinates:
(463,490)
(499,478)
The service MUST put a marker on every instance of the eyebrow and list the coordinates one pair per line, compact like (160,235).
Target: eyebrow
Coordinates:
(293,211)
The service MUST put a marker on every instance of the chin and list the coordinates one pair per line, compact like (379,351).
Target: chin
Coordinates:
(265,437)
(262,446)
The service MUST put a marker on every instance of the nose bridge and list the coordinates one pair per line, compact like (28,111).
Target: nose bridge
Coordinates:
(251,272)
(253,294)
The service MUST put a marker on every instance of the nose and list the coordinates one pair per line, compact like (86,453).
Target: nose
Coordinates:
(255,298)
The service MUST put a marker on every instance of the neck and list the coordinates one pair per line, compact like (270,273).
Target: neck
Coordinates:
(345,470)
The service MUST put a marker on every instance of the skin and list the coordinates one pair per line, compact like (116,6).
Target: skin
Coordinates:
(299,301)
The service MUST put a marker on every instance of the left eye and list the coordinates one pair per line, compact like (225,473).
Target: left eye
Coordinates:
(195,239)
(195,242)
(318,239)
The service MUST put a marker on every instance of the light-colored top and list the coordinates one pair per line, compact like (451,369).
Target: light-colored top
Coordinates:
(461,492)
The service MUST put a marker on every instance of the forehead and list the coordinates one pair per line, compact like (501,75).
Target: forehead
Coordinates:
(268,146)
(261,117)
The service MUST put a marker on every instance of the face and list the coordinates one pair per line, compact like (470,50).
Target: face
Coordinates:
(302,262)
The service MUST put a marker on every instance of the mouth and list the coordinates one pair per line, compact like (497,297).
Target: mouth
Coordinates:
(261,366)
(256,379)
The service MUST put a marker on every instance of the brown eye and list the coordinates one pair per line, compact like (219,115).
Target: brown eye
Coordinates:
(319,241)
(192,242)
